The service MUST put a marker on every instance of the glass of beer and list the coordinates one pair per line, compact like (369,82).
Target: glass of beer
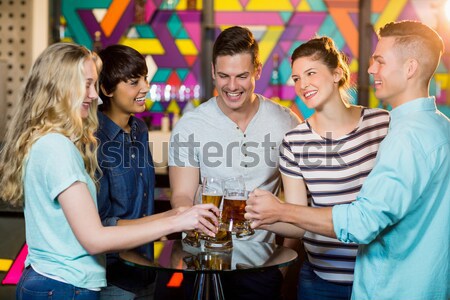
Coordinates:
(234,201)
(192,236)
(222,241)
(212,192)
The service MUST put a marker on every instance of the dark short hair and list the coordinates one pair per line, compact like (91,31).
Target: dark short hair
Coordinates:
(236,40)
(120,63)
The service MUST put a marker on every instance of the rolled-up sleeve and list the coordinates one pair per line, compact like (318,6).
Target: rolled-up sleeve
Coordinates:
(389,192)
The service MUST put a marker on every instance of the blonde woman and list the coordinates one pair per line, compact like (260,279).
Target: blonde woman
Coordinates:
(48,164)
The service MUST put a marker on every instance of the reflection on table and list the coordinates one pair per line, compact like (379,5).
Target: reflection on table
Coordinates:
(245,256)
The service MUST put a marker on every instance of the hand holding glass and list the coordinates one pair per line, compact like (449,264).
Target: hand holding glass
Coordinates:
(212,192)
(192,237)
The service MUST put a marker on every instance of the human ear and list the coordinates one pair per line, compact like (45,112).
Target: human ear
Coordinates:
(258,72)
(337,75)
(213,71)
(412,66)
(105,92)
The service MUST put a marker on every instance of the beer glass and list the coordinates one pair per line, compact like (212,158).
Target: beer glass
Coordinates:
(222,241)
(234,201)
(212,192)
(192,236)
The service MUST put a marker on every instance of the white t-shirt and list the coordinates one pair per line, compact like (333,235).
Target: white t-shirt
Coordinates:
(206,138)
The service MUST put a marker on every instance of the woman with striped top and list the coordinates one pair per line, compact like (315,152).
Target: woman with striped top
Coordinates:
(324,161)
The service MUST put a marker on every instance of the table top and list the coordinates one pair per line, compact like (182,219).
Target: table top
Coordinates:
(245,256)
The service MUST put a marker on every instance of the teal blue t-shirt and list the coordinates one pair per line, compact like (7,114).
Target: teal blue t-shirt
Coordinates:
(53,165)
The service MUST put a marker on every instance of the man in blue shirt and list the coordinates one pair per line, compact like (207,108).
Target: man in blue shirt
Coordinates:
(401,218)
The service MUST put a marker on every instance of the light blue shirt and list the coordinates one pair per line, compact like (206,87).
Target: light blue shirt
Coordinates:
(54,164)
(401,218)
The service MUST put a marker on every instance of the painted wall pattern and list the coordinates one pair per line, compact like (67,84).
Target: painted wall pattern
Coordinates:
(170,37)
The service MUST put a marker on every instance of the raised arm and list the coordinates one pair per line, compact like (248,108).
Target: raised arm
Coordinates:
(184,183)
(264,209)
(294,193)
(82,215)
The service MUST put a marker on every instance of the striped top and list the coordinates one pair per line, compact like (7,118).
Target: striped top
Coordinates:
(333,171)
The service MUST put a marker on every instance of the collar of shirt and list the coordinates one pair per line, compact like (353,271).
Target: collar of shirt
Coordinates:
(227,120)
(112,130)
(404,110)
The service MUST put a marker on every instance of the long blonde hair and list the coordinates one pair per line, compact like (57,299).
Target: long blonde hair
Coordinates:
(50,102)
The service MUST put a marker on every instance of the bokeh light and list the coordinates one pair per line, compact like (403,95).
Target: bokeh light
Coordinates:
(447,9)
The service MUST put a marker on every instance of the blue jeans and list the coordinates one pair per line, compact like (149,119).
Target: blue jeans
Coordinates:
(33,286)
(312,287)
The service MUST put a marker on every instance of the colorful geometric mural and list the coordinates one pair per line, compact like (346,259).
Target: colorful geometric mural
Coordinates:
(170,37)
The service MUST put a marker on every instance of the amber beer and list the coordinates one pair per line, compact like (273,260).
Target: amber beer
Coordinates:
(222,240)
(233,212)
(214,199)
